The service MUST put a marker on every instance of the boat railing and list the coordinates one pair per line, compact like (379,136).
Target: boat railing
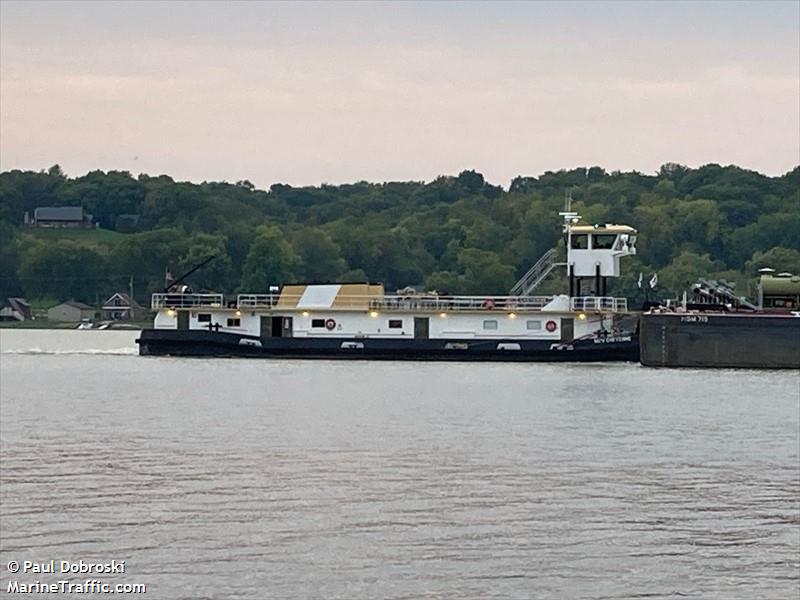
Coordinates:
(159,301)
(391,302)
(399,302)
(258,300)
(459,303)
(600,303)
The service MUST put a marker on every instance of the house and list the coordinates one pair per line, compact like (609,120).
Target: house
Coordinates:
(70,311)
(121,306)
(60,216)
(16,309)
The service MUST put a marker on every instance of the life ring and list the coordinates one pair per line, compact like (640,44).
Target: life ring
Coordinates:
(488,304)
(550,326)
(330,324)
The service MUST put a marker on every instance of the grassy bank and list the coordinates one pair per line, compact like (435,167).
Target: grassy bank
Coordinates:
(91,237)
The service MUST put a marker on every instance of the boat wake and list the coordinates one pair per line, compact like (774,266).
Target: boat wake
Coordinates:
(127,351)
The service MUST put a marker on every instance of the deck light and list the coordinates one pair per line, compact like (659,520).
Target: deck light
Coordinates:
(512,315)
(582,316)
(373,314)
(171,312)
(305,313)
(443,315)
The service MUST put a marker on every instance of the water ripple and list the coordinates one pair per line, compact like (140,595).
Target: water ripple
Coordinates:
(253,479)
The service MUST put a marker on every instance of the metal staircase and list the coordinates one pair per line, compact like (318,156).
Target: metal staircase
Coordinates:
(535,274)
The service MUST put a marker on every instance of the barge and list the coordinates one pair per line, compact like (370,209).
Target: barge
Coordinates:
(720,330)
(363,321)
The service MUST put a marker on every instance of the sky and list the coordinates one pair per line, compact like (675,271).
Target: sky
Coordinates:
(309,93)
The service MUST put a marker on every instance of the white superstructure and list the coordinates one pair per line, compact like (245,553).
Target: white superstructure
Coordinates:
(594,251)
(362,310)
(358,311)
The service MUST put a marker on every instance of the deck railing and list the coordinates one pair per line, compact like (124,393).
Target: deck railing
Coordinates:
(459,303)
(258,300)
(159,301)
(401,302)
(601,303)
(391,302)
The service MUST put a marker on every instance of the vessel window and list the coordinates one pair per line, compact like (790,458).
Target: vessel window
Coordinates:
(204,318)
(490,324)
(319,323)
(580,242)
(395,323)
(534,325)
(234,322)
(604,241)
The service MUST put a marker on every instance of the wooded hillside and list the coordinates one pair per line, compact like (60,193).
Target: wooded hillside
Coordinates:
(458,234)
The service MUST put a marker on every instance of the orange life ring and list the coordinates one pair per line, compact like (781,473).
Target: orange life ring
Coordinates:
(330,324)
(551,326)
(488,304)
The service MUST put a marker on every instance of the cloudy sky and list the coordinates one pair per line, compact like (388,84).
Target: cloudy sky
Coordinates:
(305,93)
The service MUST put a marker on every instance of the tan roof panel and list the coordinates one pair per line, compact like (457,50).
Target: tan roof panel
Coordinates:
(290,295)
(354,296)
(608,228)
(357,295)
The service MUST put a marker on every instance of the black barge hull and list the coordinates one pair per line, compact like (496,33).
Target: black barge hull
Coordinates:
(171,342)
(753,341)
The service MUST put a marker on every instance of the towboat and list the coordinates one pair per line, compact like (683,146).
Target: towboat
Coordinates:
(363,321)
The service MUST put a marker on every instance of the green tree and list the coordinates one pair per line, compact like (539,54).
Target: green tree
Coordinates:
(471,181)
(9,259)
(656,239)
(320,256)
(353,276)
(215,275)
(683,271)
(404,233)
(146,257)
(270,261)
(445,283)
(484,273)
(778,258)
(104,195)
(698,222)
(64,270)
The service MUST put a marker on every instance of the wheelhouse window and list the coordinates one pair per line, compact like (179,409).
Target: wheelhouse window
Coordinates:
(603,241)
(395,323)
(233,322)
(534,325)
(318,323)
(204,318)
(490,324)
(580,241)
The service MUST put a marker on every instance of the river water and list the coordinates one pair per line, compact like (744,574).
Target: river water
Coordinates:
(291,479)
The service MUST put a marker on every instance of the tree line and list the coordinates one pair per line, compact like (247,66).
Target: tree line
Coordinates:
(455,234)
